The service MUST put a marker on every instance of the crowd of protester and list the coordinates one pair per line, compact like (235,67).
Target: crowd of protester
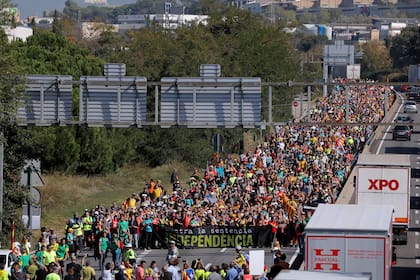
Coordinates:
(275,184)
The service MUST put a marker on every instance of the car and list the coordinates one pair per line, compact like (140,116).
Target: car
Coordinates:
(6,258)
(410,107)
(405,119)
(414,95)
(401,132)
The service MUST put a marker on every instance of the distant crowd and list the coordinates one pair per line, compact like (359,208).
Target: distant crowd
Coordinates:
(276,184)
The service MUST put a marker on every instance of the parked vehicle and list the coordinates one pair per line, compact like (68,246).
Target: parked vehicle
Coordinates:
(7,259)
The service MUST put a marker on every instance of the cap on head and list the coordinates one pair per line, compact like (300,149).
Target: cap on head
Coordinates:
(238,247)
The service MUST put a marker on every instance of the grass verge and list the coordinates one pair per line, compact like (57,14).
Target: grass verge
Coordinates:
(63,195)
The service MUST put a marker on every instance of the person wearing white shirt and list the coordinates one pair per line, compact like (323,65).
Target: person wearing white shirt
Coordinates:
(175,269)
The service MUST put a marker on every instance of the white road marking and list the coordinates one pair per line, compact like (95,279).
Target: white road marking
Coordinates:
(417,261)
(294,256)
(417,222)
(417,233)
(224,249)
(389,127)
(416,211)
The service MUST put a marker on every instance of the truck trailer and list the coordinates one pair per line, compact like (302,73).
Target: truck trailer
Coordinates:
(312,275)
(385,180)
(350,238)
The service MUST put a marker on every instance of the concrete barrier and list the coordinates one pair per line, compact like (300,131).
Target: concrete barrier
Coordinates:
(375,140)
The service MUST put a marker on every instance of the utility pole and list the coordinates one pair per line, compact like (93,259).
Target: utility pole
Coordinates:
(29,200)
(1,179)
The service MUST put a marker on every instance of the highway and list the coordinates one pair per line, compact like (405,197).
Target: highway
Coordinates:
(208,256)
(406,254)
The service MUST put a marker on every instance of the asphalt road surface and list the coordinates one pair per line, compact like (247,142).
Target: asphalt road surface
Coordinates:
(208,256)
(406,254)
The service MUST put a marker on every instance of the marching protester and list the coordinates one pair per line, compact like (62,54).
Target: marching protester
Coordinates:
(267,190)
(173,251)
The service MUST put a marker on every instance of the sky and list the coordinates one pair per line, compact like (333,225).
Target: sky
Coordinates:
(36,7)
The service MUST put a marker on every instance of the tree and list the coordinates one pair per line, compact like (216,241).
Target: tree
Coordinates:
(17,144)
(307,17)
(96,151)
(57,27)
(51,53)
(71,10)
(306,43)
(405,48)
(376,58)
(209,7)
(324,16)
(7,14)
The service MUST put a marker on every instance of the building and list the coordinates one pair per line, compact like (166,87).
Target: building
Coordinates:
(352,32)
(93,30)
(390,27)
(96,2)
(167,21)
(18,33)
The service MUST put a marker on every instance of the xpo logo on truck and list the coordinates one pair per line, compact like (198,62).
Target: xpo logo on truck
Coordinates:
(326,260)
(380,184)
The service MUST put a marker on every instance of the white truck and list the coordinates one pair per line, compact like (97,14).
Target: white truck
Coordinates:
(385,180)
(350,238)
(312,275)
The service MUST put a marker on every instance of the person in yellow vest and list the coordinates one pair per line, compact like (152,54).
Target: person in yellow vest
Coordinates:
(53,270)
(158,190)
(50,256)
(78,237)
(87,223)
(3,273)
(128,270)
(242,258)
(54,244)
(132,201)
(129,254)
(200,272)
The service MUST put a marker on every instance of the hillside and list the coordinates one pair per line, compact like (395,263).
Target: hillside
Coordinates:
(64,195)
